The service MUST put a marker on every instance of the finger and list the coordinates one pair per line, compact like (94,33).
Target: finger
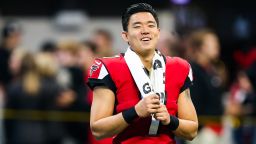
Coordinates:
(162,110)
(161,118)
(154,106)
(152,111)
(154,96)
(155,101)
(161,114)
(158,114)
(163,106)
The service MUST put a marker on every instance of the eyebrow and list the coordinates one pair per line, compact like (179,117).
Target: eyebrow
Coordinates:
(148,22)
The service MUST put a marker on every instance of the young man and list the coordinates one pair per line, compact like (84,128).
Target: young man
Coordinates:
(142,96)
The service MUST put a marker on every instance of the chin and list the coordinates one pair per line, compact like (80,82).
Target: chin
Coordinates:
(148,48)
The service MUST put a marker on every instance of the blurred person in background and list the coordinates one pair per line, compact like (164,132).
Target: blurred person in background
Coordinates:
(168,43)
(71,77)
(129,113)
(86,54)
(16,61)
(33,90)
(10,39)
(251,71)
(241,106)
(104,41)
(209,82)
(15,64)
(48,69)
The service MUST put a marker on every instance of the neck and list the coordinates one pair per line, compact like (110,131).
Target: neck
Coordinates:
(147,59)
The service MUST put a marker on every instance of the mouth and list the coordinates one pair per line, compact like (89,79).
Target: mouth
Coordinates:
(145,39)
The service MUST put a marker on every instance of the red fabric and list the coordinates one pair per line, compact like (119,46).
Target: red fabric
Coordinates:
(92,140)
(245,59)
(217,128)
(127,95)
(149,140)
(233,90)
(95,69)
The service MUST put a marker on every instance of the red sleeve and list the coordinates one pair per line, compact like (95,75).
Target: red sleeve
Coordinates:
(189,78)
(184,72)
(99,76)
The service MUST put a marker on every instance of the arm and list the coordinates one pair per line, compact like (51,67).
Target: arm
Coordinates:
(103,122)
(188,122)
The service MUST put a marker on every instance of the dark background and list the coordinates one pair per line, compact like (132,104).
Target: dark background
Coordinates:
(219,15)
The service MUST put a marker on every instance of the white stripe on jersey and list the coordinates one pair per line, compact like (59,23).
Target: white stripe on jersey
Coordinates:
(190,75)
(103,72)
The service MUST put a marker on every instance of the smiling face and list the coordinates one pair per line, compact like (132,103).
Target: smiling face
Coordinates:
(143,33)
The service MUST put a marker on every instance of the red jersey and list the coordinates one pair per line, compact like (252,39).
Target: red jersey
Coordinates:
(114,74)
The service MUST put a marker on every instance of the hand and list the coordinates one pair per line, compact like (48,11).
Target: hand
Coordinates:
(148,105)
(163,115)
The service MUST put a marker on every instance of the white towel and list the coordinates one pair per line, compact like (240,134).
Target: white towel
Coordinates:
(155,83)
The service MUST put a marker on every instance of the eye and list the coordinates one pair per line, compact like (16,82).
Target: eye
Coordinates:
(151,26)
(136,26)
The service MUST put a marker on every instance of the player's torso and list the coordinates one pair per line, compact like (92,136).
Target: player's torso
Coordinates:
(128,95)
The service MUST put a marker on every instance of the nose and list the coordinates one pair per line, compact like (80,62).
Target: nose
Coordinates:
(144,30)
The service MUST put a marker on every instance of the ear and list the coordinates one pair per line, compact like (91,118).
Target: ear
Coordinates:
(124,36)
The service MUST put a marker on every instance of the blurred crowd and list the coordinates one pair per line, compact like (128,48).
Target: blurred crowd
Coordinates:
(54,79)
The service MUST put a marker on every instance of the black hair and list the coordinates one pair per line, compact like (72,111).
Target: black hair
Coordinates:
(48,46)
(9,28)
(136,8)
